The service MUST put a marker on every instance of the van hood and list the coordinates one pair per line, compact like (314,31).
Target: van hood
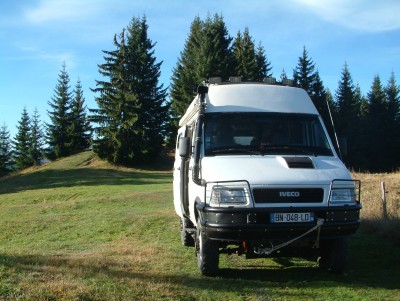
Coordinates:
(275,170)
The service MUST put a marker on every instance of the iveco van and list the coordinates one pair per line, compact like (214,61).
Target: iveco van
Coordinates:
(256,174)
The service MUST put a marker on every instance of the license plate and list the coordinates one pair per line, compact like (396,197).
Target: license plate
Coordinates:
(303,217)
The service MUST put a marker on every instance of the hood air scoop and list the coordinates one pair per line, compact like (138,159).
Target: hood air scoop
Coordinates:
(299,162)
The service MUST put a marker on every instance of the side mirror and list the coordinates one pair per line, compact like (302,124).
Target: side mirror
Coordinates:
(184,147)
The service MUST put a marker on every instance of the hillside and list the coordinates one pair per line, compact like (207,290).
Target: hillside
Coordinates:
(81,229)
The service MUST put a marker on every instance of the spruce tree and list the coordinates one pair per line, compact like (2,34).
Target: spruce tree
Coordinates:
(36,139)
(393,121)
(206,54)
(347,108)
(303,74)
(264,67)
(5,150)
(22,141)
(57,130)
(184,78)
(244,56)
(144,74)
(318,96)
(283,75)
(248,62)
(132,115)
(377,129)
(79,131)
(215,56)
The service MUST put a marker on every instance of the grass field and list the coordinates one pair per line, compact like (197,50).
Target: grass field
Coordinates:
(80,229)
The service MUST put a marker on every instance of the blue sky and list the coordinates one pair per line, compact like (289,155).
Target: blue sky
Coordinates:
(37,36)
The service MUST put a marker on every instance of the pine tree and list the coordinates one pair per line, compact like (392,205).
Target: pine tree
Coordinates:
(36,139)
(318,96)
(5,150)
(347,105)
(264,67)
(249,63)
(132,114)
(206,54)
(22,156)
(215,56)
(118,108)
(244,56)
(145,72)
(283,75)
(393,121)
(348,112)
(377,129)
(184,78)
(303,74)
(57,130)
(79,131)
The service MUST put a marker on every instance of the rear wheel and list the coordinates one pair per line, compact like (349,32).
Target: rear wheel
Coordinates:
(207,252)
(186,237)
(333,255)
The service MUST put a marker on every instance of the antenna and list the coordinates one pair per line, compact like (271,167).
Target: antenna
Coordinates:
(334,130)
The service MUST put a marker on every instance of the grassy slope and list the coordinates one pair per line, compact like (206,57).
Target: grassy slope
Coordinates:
(80,229)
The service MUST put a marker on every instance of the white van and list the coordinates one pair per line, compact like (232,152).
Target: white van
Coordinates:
(255,173)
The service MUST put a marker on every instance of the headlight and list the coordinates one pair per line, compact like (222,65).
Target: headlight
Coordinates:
(342,195)
(222,195)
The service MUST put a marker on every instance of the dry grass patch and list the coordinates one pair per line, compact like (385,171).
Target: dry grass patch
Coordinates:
(372,214)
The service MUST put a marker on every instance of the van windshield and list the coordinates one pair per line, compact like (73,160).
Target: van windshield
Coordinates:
(264,134)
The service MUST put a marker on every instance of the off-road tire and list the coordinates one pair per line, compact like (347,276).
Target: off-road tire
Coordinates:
(207,252)
(333,255)
(186,238)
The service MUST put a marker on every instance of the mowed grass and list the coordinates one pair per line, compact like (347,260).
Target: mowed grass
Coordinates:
(81,229)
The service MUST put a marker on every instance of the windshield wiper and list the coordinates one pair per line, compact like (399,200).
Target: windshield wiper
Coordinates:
(232,151)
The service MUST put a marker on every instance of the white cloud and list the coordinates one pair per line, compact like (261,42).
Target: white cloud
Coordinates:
(361,15)
(61,10)
(29,52)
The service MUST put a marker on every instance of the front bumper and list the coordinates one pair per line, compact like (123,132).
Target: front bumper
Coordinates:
(253,224)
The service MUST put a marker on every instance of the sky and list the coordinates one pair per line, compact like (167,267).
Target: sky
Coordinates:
(38,36)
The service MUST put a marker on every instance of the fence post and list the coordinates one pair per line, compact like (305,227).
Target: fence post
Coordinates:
(385,215)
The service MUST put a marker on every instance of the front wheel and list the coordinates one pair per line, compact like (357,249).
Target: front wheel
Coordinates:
(207,252)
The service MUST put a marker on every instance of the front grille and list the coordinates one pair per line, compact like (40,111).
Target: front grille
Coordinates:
(288,195)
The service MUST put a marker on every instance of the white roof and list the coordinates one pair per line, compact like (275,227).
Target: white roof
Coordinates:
(253,97)
(258,98)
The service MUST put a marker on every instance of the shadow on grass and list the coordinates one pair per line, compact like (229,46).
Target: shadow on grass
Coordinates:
(43,179)
(373,263)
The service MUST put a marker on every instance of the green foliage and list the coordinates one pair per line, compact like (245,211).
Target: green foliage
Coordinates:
(347,119)
(79,130)
(381,127)
(304,74)
(132,115)
(57,130)
(69,131)
(21,154)
(305,77)
(5,150)
(244,56)
(208,53)
(248,62)
(36,139)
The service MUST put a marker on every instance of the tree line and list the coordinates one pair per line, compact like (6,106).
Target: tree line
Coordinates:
(135,118)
